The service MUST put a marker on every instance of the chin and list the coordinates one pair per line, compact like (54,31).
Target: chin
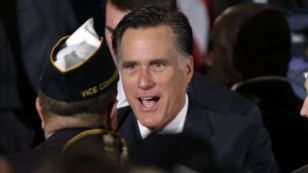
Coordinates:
(149,124)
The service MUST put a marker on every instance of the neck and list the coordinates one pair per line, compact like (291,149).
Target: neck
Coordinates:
(63,122)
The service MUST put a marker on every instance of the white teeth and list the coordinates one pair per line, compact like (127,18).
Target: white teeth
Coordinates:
(147,98)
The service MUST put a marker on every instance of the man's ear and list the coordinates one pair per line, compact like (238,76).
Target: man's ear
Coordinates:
(210,58)
(111,119)
(40,111)
(190,68)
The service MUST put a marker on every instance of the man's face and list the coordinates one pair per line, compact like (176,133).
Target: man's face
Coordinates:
(113,17)
(154,79)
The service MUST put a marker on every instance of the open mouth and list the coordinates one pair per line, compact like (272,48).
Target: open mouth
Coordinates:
(148,102)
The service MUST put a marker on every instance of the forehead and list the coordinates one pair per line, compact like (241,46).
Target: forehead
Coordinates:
(155,41)
(161,34)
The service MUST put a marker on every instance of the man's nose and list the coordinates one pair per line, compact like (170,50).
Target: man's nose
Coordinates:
(145,79)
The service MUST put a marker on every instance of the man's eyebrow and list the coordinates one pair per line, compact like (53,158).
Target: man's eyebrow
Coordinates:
(159,61)
(110,29)
(128,63)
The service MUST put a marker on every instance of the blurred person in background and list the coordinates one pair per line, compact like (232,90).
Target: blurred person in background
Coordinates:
(250,52)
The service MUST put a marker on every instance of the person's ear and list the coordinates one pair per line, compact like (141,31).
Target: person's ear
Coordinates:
(111,120)
(210,58)
(40,111)
(190,68)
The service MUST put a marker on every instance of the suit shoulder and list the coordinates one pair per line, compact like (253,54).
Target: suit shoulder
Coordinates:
(226,120)
(213,96)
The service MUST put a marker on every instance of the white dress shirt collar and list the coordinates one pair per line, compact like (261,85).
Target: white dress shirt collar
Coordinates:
(121,98)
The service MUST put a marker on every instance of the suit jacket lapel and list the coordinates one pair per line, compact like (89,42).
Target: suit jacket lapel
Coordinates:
(197,121)
(129,129)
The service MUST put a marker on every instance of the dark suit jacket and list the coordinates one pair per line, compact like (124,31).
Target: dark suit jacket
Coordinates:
(238,141)
(28,161)
(280,109)
(19,125)
(50,20)
(221,99)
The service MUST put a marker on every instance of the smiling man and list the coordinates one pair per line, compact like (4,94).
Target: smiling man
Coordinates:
(154,48)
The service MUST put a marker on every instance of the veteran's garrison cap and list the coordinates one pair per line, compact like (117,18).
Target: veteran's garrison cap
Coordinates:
(85,70)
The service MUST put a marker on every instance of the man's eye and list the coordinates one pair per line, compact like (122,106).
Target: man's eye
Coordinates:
(158,66)
(130,66)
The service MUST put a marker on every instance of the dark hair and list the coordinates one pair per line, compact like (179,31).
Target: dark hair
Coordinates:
(263,45)
(227,24)
(151,16)
(96,105)
(125,5)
